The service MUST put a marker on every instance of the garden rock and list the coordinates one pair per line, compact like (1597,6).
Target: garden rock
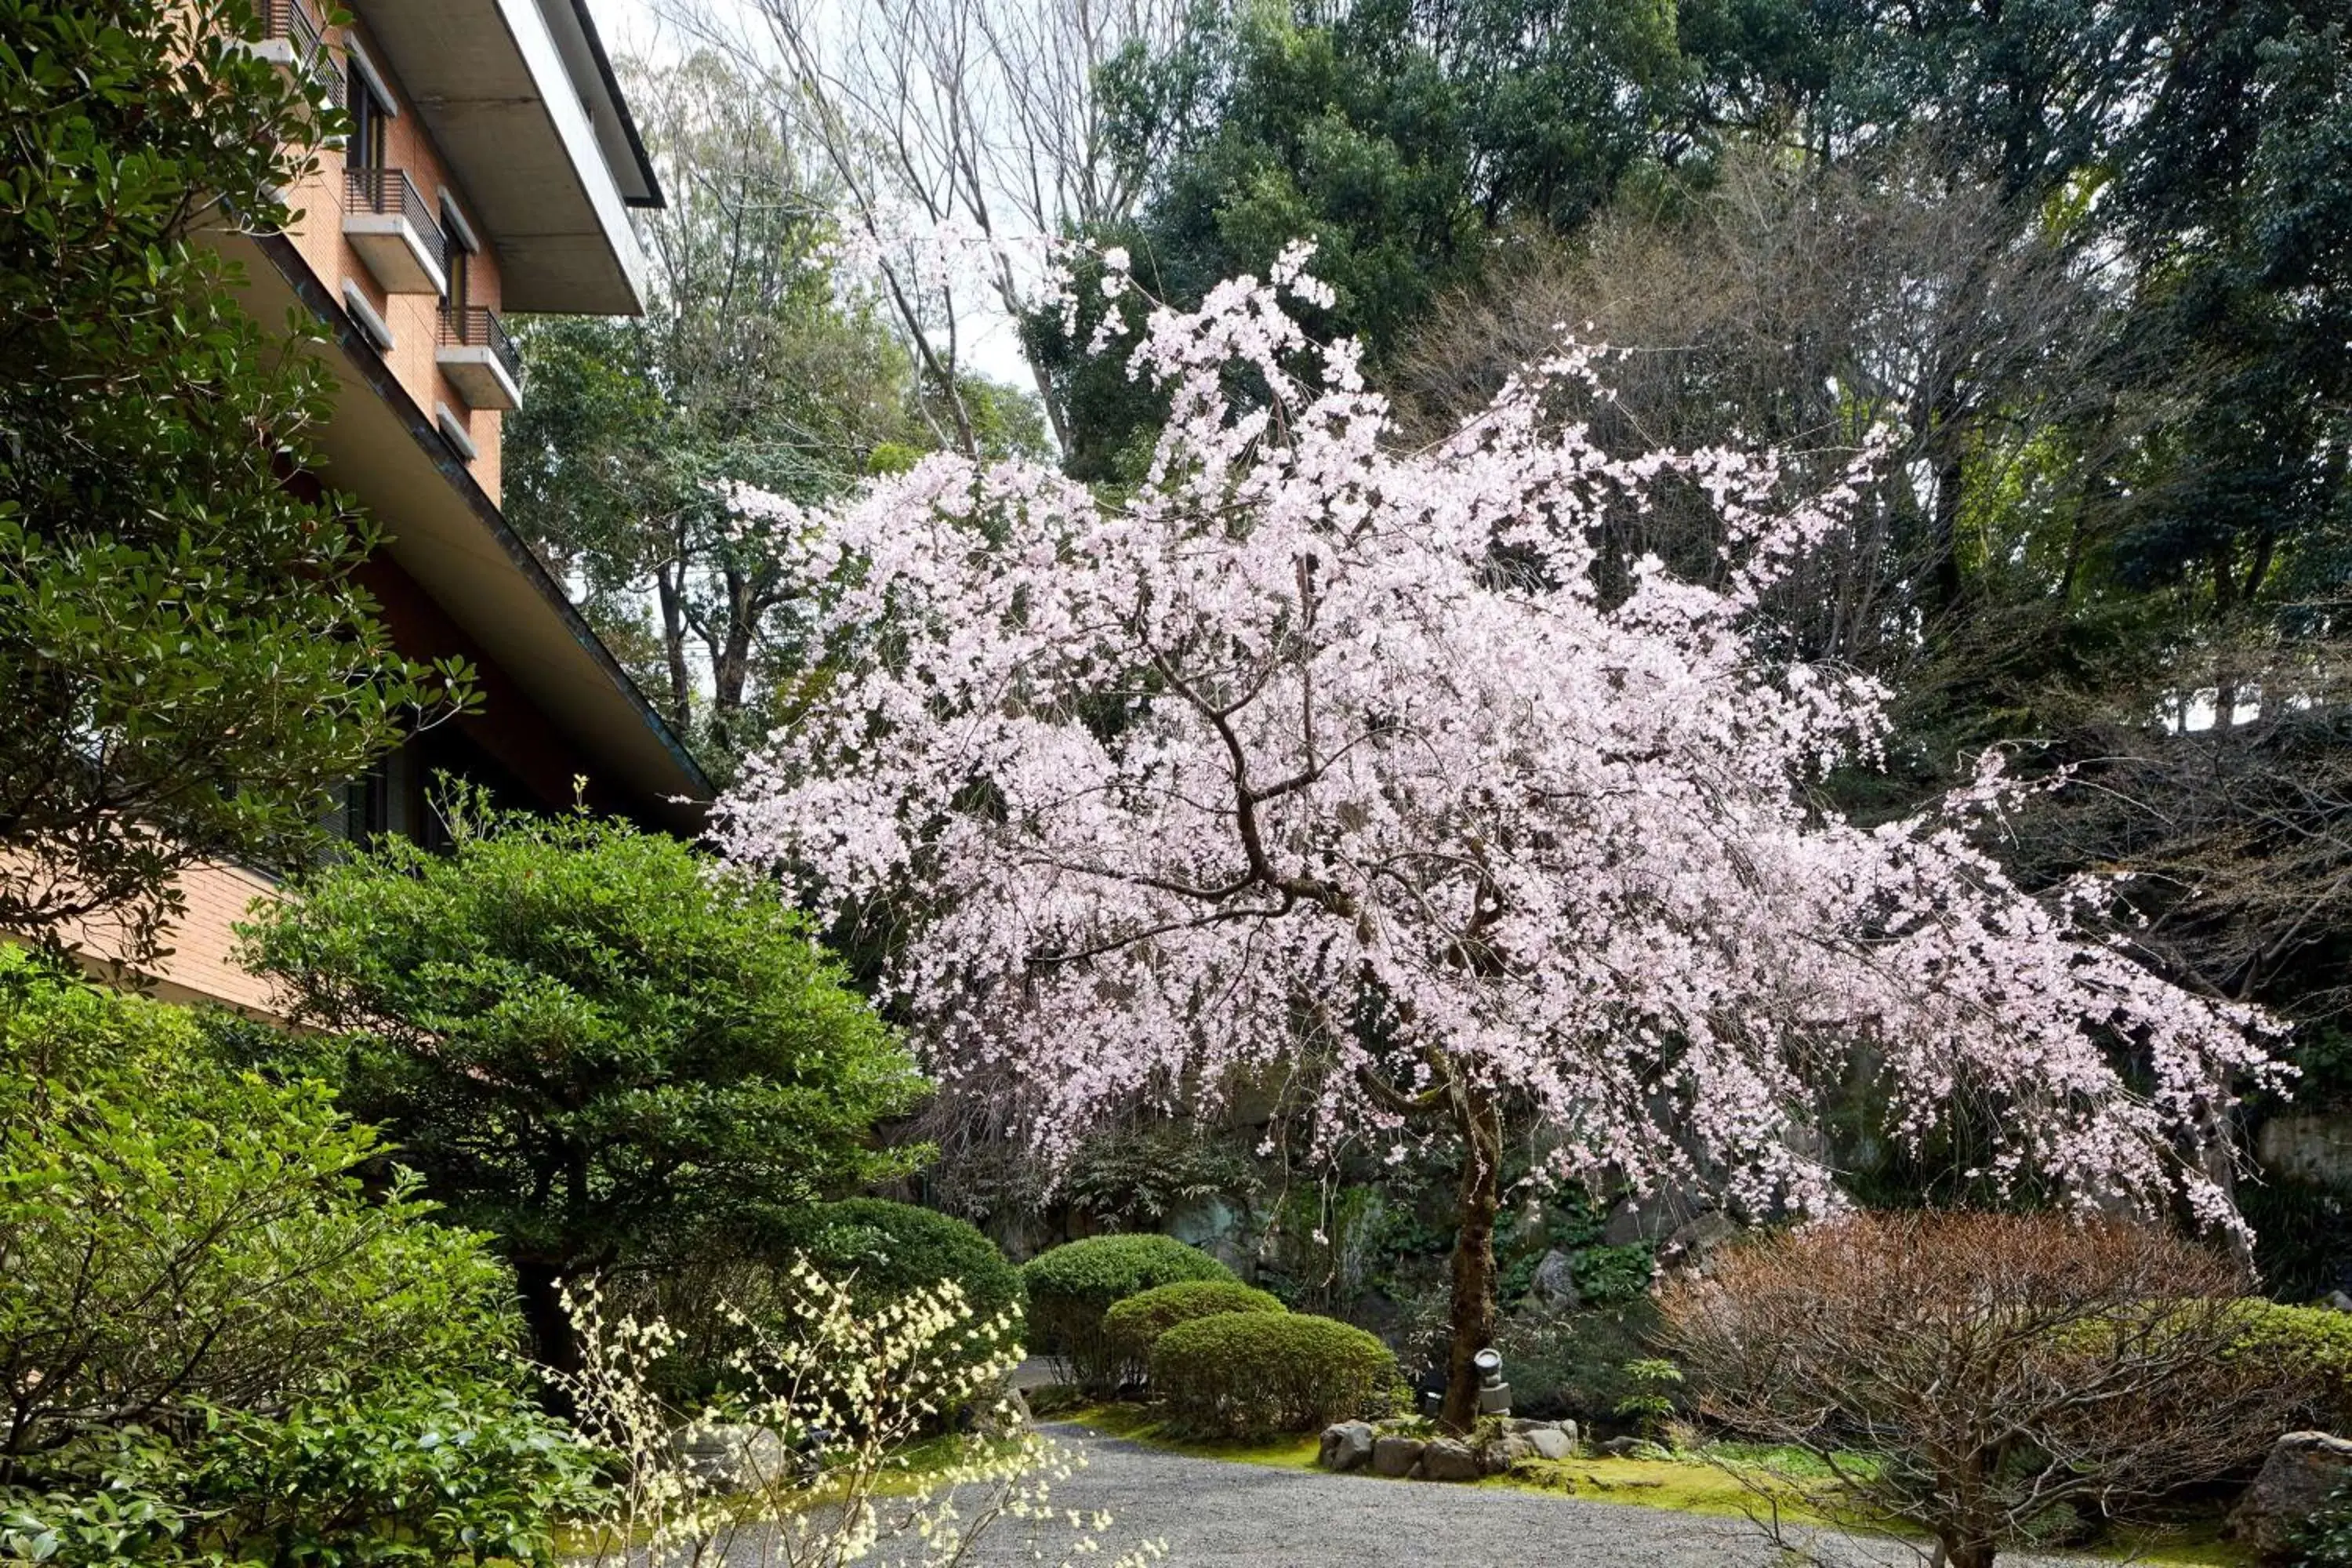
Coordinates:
(1651,1217)
(1511,1449)
(1395,1455)
(1552,1442)
(1347,1445)
(2302,1470)
(732,1458)
(1445,1459)
(1555,1282)
(1692,1246)
(1007,1416)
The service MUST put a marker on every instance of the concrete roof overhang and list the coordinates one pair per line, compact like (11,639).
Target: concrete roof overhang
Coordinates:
(521,102)
(446,532)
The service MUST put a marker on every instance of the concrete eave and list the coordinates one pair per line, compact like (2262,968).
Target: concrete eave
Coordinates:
(520,104)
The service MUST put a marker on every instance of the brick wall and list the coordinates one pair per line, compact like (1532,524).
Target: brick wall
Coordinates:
(414,319)
(198,968)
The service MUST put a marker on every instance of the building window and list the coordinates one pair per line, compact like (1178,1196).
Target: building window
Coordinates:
(367,805)
(461,253)
(369,114)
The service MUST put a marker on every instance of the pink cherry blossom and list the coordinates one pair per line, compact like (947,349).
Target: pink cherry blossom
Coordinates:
(1313,757)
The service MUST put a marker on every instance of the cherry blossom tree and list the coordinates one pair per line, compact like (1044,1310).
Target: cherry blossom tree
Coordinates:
(1382,770)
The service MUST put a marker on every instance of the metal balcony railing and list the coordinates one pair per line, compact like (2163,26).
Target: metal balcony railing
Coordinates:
(390,193)
(477,326)
(306,41)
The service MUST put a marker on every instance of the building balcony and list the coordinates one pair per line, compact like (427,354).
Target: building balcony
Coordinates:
(480,359)
(387,221)
(292,40)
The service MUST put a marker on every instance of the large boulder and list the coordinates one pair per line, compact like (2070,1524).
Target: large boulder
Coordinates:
(1503,1453)
(1649,1217)
(1347,1445)
(728,1457)
(1554,1285)
(1554,1441)
(1692,1246)
(1395,1455)
(1006,1415)
(2304,1470)
(1446,1459)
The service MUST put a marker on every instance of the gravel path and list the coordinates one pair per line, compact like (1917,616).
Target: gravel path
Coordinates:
(1211,1513)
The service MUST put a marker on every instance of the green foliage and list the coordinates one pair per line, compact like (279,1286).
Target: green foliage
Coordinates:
(881,1250)
(404,1471)
(1071,1287)
(2325,1539)
(2303,1233)
(188,665)
(218,1341)
(1250,1374)
(1573,1224)
(2308,1345)
(179,1232)
(399,1472)
(1134,1326)
(1574,1364)
(1399,138)
(589,1040)
(727,1303)
(1136,1177)
(1655,1383)
(748,366)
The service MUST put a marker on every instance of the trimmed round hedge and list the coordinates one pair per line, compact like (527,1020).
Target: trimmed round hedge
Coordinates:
(1134,1326)
(2310,1347)
(887,1249)
(1253,1375)
(1071,1287)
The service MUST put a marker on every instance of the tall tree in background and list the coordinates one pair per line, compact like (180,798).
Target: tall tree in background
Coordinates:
(1305,757)
(188,668)
(982,119)
(751,366)
(1399,139)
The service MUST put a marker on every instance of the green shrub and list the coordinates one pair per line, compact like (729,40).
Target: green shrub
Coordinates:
(2309,1344)
(1573,1364)
(736,1292)
(1071,1287)
(884,1250)
(2325,1538)
(1250,1374)
(594,1043)
(219,1338)
(1134,1326)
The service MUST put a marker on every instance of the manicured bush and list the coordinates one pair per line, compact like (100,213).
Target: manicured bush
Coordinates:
(1134,1326)
(882,1250)
(2309,1345)
(736,1292)
(590,1041)
(1250,1374)
(1071,1287)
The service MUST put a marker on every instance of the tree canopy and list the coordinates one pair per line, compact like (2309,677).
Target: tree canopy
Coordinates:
(189,667)
(1385,772)
(588,1041)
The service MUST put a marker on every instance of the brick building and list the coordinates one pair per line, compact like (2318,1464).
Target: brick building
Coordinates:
(490,168)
